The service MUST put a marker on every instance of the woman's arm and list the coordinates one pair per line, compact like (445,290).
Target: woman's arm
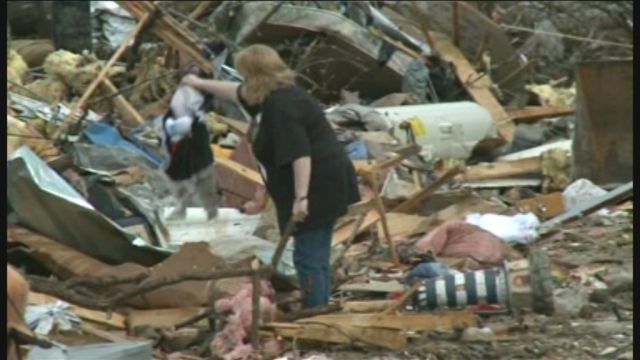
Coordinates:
(223,89)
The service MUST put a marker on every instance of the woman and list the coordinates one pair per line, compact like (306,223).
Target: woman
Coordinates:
(306,170)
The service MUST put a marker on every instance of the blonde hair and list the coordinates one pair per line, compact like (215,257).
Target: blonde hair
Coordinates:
(264,71)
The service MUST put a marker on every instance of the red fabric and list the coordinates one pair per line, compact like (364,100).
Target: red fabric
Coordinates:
(459,239)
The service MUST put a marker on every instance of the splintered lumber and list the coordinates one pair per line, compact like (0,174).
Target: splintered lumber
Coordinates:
(144,19)
(198,11)
(503,169)
(246,172)
(128,113)
(161,318)
(341,334)
(171,32)
(343,233)
(439,320)
(115,320)
(480,94)
(374,286)
(531,114)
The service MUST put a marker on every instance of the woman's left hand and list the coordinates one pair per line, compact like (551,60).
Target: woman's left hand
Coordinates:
(300,209)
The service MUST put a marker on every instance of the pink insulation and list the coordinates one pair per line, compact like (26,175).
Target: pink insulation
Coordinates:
(232,342)
(459,239)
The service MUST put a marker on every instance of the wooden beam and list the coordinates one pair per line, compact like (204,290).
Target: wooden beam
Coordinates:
(502,169)
(198,11)
(128,113)
(171,32)
(480,93)
(532,114)
(246,172)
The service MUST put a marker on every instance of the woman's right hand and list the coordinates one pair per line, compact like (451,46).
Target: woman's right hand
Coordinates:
(190,80)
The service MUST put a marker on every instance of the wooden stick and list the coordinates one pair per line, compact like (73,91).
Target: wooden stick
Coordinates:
(424,27)
(128,113)
(286,234)
(456,23)
(383,219)
(94,84)
(403,299)
(255,306)
(197,12)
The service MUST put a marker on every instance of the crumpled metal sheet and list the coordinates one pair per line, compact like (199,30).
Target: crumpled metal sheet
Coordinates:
(122,350)
(44,318)
(46,203)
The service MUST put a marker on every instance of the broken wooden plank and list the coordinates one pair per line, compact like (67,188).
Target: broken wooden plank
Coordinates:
(115,320)
(406,226)
(128,113)
(440,320)
(238,127)
(246,172)
(161,318)
(544,206)
(398,304)
(532,114)
(171,32)
(480,93)
(502,169)
(341,334)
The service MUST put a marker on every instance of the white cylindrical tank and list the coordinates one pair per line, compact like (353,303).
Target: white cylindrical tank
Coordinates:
(446,130)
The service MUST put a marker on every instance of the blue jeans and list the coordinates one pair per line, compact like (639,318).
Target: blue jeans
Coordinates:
(311,257)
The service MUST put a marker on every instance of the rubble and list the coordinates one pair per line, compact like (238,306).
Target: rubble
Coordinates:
(496,212)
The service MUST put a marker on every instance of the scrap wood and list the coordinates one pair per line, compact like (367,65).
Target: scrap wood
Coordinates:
(343,233)
(341,334)
(406,225)
(531,114)
(171,32)
(128,113)
(198,11)
(246,172)
(502,169)
(482,95)
(105,70)
(374,286)
(437,320)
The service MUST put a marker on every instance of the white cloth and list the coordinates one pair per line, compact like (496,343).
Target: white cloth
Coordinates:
(178,128)
(519,228)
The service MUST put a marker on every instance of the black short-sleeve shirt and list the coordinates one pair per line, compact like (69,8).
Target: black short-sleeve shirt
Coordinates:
(291,124)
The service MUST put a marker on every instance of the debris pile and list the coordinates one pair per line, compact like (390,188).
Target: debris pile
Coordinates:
(490,213)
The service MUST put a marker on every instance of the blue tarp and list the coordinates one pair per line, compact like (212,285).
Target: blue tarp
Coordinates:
(104,134)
